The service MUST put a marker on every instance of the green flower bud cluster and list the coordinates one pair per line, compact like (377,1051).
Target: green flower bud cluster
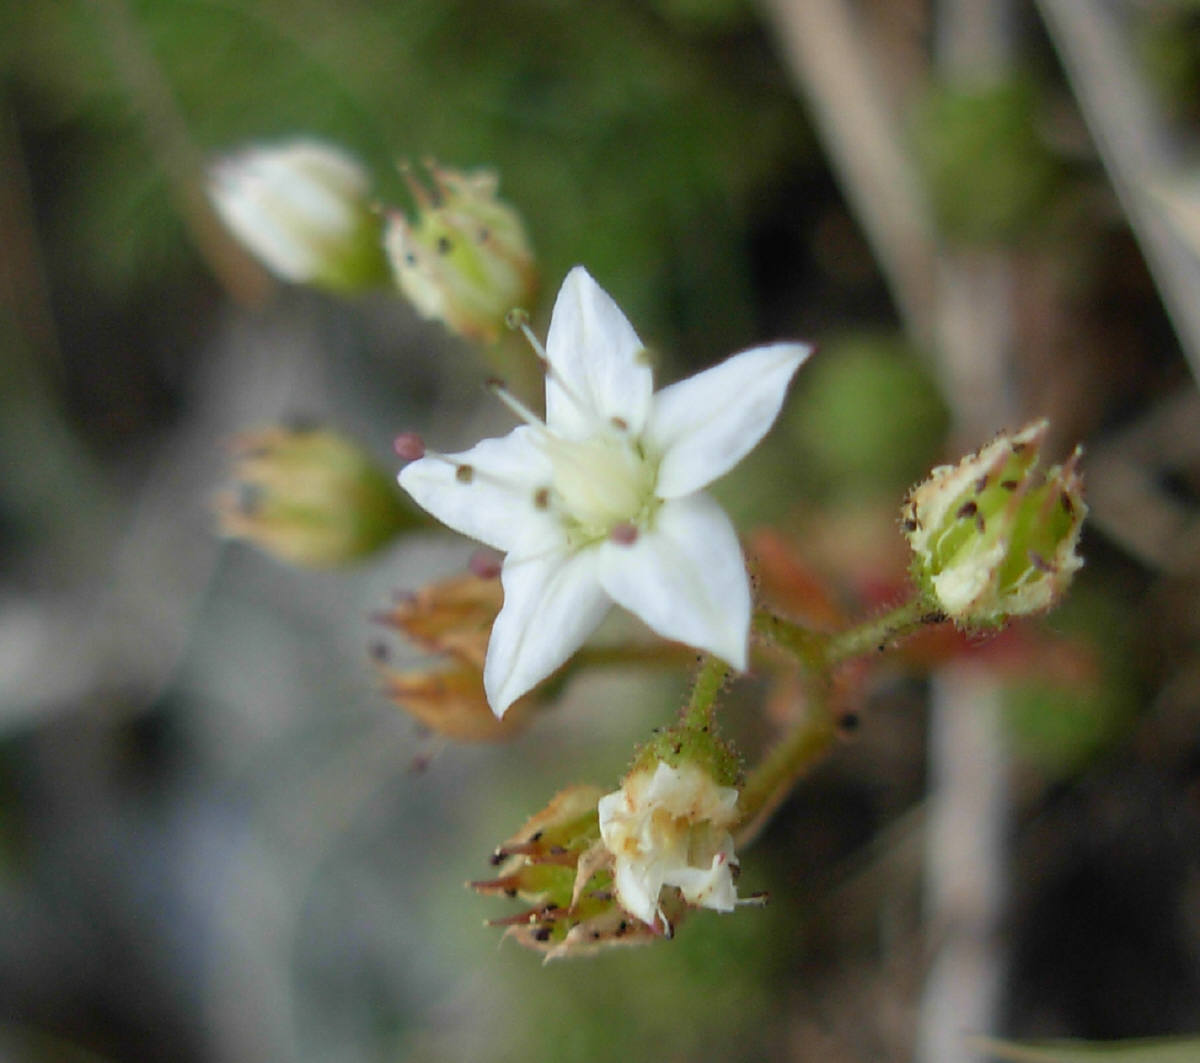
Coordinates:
(991,539)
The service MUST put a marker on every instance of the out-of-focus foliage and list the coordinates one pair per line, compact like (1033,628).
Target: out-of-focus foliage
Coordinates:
(624,174)
(987,169)
(1060,719)
(868,415)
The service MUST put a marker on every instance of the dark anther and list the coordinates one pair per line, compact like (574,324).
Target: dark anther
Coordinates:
(910,525)
(510,892)
(464,474)
(497,857)
(620,423)
(444,246)
(535,837)
(541,498)
(967,509)
(1009,485)
(542,933)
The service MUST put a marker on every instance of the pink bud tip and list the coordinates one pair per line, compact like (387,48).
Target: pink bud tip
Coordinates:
(409,446)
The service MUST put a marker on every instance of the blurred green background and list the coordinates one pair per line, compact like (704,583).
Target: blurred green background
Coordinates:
(219,841)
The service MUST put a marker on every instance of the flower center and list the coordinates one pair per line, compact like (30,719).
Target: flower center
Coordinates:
(601,482)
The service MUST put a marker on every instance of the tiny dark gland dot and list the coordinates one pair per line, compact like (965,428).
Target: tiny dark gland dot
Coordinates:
(536,836)
(1009,485)
(497,857)
(541,498)
(1067,505)
(510,891)
(410,259)
(595,935)
(910,525)
(622,926)
(444,245)
(620,423)
(378,651)
(967,509)
(464,474)
(542,933)
(981,484)
(1018,447)
(849,722)
(677,748)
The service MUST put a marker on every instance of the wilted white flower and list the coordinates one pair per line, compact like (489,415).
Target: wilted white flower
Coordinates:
(602,502)
(671,827)
(303,208)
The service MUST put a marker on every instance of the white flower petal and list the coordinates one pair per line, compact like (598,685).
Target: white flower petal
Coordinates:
(552,603)
(685,578)
(704,425)
(599,359)
(708,887)
(638,885)
(496,503)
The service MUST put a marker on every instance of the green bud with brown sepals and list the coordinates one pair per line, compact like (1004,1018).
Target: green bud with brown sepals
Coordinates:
(463,259)
(309,497)
(993,539)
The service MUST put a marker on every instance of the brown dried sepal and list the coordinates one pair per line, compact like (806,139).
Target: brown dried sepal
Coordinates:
(453,616)
(452,702)
(557,864)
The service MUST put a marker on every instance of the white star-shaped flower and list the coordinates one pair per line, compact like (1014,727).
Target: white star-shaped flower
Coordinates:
(602,502)
(671,828)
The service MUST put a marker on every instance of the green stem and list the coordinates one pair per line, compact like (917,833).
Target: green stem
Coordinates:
(698,713)
(772,780)
(819,652)
(876,633)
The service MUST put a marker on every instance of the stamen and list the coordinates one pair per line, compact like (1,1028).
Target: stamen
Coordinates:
(516,405)
(577,401)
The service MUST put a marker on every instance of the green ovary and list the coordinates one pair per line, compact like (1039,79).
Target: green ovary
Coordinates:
(602,482)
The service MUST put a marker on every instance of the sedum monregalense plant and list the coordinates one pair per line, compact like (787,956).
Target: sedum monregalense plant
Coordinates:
(603,500)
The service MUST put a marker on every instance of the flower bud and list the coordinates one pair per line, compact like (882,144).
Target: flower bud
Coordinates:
(309,497)
(990,538)
(464,260)
(303,208)
(557,864)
